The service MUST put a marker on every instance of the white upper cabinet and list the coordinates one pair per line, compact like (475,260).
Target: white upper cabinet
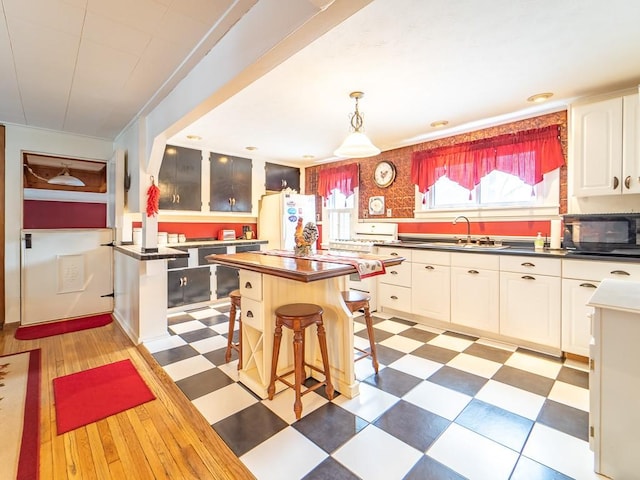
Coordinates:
(605,142)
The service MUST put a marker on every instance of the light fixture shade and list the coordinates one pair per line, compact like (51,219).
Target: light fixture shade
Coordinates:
(356,145)
(65,178)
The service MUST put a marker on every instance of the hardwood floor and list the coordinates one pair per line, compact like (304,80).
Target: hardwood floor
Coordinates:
(164,438)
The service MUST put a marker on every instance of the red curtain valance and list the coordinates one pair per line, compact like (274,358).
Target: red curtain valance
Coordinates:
(527,155)
(344,178)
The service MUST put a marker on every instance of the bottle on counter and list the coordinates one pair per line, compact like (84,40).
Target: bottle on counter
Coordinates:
(538,243)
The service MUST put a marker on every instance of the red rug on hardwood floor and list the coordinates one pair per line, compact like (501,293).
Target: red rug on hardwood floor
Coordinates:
(31,332)
(20,414)
(91,395)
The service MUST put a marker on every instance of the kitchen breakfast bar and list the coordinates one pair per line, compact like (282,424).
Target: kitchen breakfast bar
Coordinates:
(270,279)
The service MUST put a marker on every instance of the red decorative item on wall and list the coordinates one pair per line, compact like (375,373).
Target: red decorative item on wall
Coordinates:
(153,199)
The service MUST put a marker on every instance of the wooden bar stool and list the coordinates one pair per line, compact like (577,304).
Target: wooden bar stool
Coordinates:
(234,296)
(355,301)
(297,317)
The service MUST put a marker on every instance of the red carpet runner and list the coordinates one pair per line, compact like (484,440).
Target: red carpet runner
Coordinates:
(20,415)
(91,395)
(65,326)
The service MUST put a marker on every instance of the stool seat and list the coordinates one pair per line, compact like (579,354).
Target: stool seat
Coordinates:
(297,317)
(234,297)
(355,301)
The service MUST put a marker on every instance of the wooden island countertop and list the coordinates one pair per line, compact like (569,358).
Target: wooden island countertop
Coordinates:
(302,269)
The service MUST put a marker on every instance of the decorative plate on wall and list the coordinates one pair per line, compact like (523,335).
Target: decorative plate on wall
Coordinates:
(376,205)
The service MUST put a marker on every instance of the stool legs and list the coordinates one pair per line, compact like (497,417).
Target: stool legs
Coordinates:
(232,323)
(372,342)
(322,340)
(277,338)
(298,360)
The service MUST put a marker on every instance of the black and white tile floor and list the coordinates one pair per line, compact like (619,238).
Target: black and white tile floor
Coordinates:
(443,406)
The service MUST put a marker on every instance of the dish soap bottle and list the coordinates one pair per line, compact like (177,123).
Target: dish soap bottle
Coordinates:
(538,243)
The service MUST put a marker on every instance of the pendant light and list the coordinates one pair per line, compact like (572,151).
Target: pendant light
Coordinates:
(65,178)
(357,144)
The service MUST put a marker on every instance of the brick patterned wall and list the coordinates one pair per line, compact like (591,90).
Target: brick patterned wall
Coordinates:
(399,197)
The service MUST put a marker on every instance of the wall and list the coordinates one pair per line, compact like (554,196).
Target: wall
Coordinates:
(18,139)
(400,196)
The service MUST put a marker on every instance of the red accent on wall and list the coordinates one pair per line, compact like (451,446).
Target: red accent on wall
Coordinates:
(200,230)
(521,228)
(50,215)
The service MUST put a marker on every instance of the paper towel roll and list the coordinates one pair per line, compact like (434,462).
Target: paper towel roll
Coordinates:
(556,238)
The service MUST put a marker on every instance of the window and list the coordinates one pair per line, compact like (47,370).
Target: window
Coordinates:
(519,170)
(341,214)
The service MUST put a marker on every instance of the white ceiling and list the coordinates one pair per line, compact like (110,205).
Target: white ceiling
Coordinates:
(89,66)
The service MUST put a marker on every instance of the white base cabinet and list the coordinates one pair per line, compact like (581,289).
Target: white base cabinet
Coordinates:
(614,379)
(576,315)
(430,280)
(475,286)
(530,299)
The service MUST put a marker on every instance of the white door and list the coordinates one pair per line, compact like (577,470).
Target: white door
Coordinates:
(66,274)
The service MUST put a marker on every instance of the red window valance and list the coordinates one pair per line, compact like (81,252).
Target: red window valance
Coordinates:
(344,178)
(528,155)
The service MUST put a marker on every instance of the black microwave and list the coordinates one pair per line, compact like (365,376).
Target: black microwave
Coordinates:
(605,233)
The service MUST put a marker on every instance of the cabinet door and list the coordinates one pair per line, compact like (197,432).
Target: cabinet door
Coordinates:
(430,292)
(175,292)
(180,179)
(197,285)
(597,147)
(530,308)
(279,177)
(631,144)
(230,182)
(576,315)
(227,279)
(474,298)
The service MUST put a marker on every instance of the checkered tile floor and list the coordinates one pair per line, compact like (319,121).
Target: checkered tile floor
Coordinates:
(443,406)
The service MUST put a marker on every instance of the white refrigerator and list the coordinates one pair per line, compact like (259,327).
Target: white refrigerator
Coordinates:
(278,216)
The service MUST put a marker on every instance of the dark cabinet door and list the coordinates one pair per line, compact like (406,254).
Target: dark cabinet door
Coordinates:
(197,285)
(230,183)
(180,179)
(188,285)
(279,177)
(227,279)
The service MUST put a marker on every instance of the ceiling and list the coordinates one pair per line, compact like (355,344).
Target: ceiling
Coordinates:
(93,65)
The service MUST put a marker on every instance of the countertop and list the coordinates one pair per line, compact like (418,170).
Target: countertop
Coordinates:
(516,248)
(179,250)
(302,269)
(616,294)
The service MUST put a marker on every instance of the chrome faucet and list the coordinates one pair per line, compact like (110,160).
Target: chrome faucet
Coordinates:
(468,226)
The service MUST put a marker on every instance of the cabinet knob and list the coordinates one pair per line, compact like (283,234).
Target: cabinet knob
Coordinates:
(393,272)
(181,282)
(186,280)
(528,264)
(627,182)
(173,198)
(248,285)
(528,277)
(620,272)
(473,272)
(428,267)
(393,297)
(616,182)
(393,254)
(588,285)
(177,198)
(249,314)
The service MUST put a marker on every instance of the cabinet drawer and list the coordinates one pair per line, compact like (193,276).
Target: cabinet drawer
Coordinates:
(476,260)
(393,296)
(204,251)
(251,285)
(431,256)
(251,313)
(597,270)
(532,265)
(395,252)
(398,275)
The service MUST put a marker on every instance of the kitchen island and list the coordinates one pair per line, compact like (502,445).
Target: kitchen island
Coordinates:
(269,280)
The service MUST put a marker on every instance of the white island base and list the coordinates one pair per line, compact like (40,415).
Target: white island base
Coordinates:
(262,294)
